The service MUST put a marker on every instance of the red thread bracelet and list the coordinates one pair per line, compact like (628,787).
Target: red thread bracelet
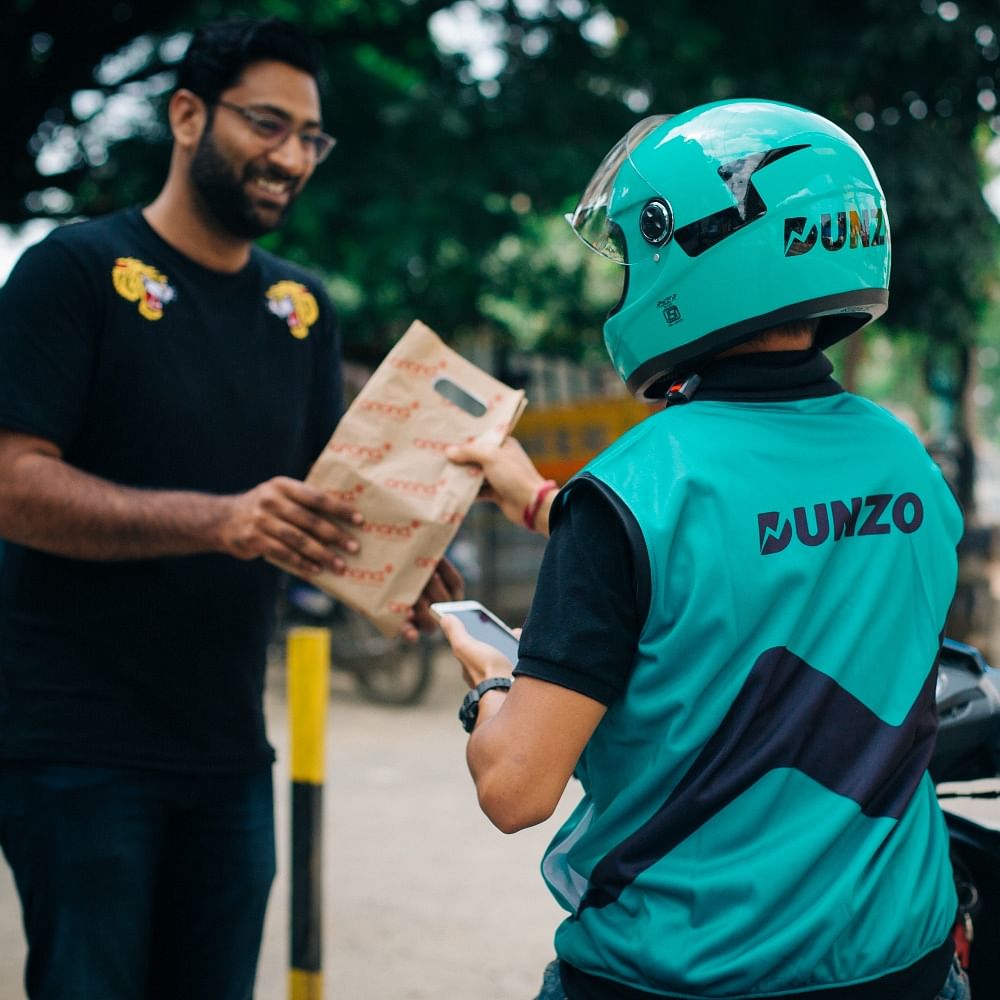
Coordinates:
(531,510)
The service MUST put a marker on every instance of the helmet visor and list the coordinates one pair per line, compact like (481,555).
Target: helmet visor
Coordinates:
(590,220)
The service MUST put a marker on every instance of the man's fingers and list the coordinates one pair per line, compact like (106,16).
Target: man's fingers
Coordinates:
(436,590)
(290,544)
(479,660)
(290,561)
(466,454)
(446,584)
(409,632)
(339,509)
(317,526)
(462,644)
(453,629)
(317,514)
(479,451)
(290,522)
(451,579)
(318,501)
(421,616)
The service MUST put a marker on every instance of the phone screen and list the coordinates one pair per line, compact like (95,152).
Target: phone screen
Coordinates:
(482,627)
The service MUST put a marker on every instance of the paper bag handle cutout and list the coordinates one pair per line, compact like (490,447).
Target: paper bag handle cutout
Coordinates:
(454,393)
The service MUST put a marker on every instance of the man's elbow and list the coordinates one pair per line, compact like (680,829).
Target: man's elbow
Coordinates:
(512,810)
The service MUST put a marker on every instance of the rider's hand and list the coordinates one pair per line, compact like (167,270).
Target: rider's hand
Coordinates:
(479,660)
(445,585)
(290,523)
(512,481)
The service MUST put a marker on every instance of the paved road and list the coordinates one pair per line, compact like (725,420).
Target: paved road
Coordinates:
(423,897)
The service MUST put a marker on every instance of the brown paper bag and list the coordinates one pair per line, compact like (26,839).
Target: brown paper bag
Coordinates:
(387,457)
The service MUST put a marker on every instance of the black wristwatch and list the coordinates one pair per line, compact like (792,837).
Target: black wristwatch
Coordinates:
(469,711)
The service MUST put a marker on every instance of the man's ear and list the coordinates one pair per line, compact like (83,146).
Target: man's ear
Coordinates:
(188,116)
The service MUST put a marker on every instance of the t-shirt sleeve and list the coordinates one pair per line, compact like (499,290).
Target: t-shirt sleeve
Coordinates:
(49,318)
(590,599)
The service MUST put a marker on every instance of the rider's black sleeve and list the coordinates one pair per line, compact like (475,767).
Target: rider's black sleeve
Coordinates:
(591,597)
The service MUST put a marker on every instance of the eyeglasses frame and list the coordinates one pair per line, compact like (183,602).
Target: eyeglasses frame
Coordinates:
(256,118)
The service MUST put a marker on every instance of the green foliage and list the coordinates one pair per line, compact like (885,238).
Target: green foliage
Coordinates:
(444,195)
(891,371)
(546,292)
(986,395)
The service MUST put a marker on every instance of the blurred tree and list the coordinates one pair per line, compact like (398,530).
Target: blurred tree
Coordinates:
(50,50)
(914,80)
(465,128)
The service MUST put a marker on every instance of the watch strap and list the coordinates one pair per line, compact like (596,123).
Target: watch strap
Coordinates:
(469,711)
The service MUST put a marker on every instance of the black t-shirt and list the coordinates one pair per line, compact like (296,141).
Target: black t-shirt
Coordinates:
(152,371)
(591,600)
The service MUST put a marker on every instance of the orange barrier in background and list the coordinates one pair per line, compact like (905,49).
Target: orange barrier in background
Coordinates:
(562,438)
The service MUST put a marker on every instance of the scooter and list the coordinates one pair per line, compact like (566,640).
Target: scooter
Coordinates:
(966,771)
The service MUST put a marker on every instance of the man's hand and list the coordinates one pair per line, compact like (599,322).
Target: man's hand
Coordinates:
(290,523)
(445,585)
(479,660)
(512,481)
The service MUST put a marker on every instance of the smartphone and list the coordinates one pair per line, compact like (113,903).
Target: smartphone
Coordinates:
(481,624)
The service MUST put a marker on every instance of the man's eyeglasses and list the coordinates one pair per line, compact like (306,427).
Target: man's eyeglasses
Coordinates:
(276,129)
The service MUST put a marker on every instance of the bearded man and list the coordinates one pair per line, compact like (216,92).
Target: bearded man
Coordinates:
(164,386)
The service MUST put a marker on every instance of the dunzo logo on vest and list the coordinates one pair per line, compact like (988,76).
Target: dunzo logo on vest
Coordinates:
(835,520)
(865,228)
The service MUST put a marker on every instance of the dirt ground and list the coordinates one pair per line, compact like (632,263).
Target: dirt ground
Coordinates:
(423,897)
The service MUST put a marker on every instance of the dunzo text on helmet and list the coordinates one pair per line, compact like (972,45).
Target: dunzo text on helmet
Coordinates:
(730,219)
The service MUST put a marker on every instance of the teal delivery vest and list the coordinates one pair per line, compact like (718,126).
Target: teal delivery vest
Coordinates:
(757,815)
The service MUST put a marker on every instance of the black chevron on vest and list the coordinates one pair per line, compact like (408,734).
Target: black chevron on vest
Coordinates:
(787,715)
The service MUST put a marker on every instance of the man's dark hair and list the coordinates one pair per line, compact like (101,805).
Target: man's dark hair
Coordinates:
(219,53)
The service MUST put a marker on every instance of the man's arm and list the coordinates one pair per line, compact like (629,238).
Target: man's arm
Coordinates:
(574,659)
(526,742)
(47,504)
(524,748)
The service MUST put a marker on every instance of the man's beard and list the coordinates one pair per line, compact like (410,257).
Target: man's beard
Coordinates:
(223,195)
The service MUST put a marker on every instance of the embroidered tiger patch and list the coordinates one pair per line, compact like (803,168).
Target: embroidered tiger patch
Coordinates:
(139,282)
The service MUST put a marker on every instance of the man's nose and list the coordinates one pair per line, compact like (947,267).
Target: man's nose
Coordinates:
(292,157)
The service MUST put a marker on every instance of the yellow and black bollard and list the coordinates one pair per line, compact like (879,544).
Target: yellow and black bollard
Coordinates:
(308,688)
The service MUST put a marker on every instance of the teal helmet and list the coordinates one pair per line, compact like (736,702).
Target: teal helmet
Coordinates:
(731,219)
